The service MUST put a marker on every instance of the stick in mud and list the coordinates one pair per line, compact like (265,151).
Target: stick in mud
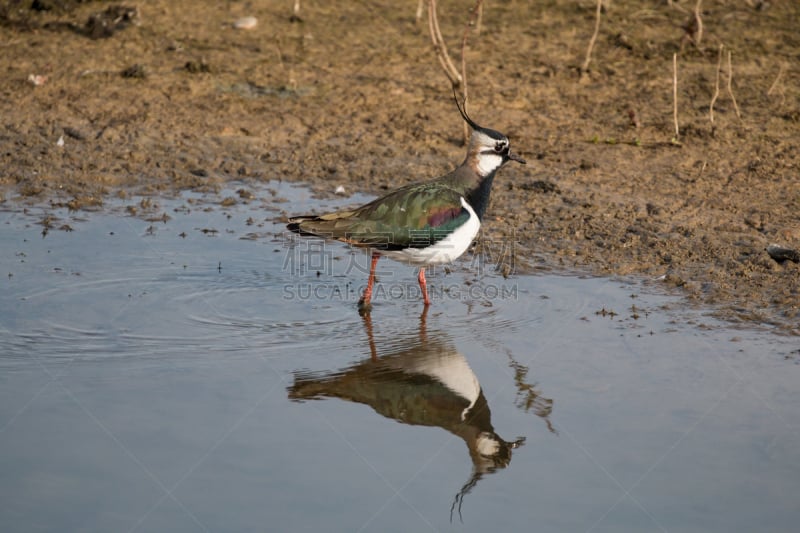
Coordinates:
(716,86)
(772,87)
(730,89)
(585,66)
(675,94)
(698,21)
(694,27)
(472,21)
(441,49)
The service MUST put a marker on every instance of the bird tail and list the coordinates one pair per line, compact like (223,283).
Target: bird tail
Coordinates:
(333,225)
(295,222)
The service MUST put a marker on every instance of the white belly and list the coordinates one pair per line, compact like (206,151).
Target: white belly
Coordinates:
(445,251)
(448,367)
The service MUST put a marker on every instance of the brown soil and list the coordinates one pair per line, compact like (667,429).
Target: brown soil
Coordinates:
(174,97)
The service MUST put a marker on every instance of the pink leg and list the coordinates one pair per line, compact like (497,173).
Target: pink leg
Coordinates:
(373,352)
(423,286)
(366,298)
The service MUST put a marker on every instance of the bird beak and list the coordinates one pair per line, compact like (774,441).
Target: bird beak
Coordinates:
(514,157)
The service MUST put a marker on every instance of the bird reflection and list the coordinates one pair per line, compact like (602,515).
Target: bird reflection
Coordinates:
(420,381)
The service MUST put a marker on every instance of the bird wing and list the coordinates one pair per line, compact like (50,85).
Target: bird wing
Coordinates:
(411,217)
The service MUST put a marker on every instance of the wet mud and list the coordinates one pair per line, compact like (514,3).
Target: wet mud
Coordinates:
(155,97)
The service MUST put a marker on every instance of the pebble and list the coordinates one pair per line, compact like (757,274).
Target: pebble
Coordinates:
(245,23)
(339,190)
(781,254)
(37,79)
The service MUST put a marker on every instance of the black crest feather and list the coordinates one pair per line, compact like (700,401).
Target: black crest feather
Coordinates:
(461,110)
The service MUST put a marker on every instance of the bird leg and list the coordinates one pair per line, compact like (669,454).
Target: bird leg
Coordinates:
(364,303)
(423,286)
(373,352)
(423,328)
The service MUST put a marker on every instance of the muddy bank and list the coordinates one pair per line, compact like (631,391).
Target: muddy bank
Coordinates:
(156,97)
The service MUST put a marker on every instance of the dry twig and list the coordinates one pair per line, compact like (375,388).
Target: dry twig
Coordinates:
(694,26)
(585,66)
(698,34)
(295,16)
(777,79)
(479,17)
(474,16)
(716,87)
(441,49)
(730,89)
(675,94)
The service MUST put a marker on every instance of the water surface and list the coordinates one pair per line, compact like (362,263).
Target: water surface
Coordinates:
(209,373)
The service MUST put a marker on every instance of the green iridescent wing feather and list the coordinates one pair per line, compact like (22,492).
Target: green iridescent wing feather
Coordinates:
(411,217)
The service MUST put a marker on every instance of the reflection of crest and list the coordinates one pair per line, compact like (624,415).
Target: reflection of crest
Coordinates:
(424,382)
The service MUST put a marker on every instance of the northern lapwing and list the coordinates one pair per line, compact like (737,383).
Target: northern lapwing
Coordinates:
(422,224)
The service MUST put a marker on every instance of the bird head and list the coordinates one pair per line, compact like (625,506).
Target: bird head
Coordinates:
(488,149)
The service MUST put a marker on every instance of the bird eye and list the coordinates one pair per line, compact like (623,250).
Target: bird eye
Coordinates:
(500,146)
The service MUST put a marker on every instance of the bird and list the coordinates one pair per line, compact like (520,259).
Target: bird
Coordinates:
(421,224)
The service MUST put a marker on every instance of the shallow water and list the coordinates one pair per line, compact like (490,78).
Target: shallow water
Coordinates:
(209,373)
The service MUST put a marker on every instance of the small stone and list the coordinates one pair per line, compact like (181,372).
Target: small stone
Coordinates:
(75,134)
(781,254)
(245,23)
(37,79)
(339,190)
(540,186)
(196,67)
(135,71)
